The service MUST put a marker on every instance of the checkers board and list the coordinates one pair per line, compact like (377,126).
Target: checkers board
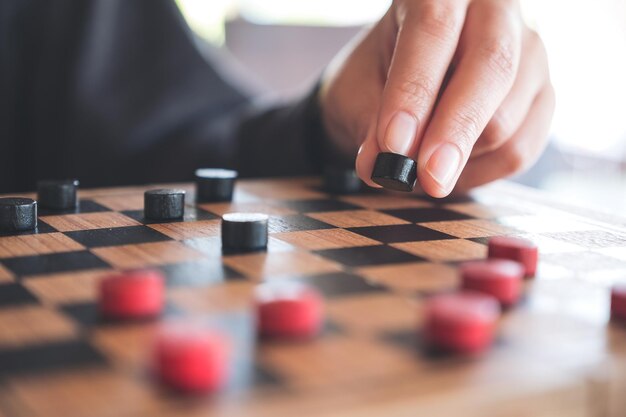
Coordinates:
(375,256)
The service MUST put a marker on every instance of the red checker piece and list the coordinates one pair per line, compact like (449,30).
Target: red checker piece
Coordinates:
(516,249)
(618,303)
(132,294)
(500,278)
(462,322)
(190,359)
(288,309)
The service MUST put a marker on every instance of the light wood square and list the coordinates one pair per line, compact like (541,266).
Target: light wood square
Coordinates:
(359,314)
(356,218)
(325,239)
(66,288)
(228,296)
(335,361)
(27,245)
(481,211)
(21,326)
(122,202)
(247,207)
(411,277)
(273,264)
(147,254)
(470,228)
(449,250)
(385,201)
(189,230)
(89,221)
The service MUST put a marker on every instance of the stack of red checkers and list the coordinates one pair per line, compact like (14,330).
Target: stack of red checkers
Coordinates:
(516,249)
(190,359)
(132,294)
(500,278)
(618,303)
(462,322)
(287,309)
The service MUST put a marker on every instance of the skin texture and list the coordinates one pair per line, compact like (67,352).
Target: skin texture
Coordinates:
(461,86)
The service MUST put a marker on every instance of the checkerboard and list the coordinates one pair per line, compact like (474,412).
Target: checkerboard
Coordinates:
(375,256)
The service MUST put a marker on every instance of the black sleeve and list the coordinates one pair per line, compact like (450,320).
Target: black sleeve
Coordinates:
(118,92)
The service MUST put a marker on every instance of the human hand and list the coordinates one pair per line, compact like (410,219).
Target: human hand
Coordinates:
(461,86)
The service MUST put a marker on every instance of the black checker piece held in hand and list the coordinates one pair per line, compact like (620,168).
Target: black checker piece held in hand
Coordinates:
(395,172)
(17,214)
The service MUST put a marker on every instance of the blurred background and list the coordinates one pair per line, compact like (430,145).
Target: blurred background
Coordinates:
(283,45)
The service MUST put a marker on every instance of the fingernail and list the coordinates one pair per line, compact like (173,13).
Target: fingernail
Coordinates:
(444,164)
(401,133)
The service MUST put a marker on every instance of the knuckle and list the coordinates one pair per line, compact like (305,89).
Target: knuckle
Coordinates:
(515,159)
(496,133)
(438,19)
(417,88)
(467,127)
(500,56)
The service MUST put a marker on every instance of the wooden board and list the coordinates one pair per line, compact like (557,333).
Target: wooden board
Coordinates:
(376,256)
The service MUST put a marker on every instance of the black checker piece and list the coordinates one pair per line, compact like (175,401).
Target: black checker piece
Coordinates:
(115,236)
(295,223)
(15,294)
(400,233)
(429,214)
(55,262)
(84,206)
(368,255)
(192,214)
(318,205)
(49,357)
(198,273)
(341,284)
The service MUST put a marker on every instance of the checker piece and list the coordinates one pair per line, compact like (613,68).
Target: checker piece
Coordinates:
(516,249)
(17,214)
(190,359)
(289,310)
(244,232)
(618,303)
(462,322)
(132,294)
(500,278)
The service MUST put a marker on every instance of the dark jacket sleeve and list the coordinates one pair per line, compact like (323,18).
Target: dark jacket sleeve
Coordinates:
(117,92)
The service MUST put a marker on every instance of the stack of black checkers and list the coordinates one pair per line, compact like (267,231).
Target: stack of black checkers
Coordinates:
(215,185)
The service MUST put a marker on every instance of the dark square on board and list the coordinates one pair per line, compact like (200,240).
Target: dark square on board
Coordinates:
(198,273)
(129,235)
(42,227)
(295,223)
(54,262)
(400,233)
(340,284)
(84,206)
(318,205)
(192,214)
(426,214)
(15,294)
(368,255)
(48,357)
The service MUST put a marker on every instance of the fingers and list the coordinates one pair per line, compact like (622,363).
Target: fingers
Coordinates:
(519,152)
(491,44)
(531,76)
(428,34)
(365,160)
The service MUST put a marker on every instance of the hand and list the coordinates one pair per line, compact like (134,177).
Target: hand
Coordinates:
(461,86)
